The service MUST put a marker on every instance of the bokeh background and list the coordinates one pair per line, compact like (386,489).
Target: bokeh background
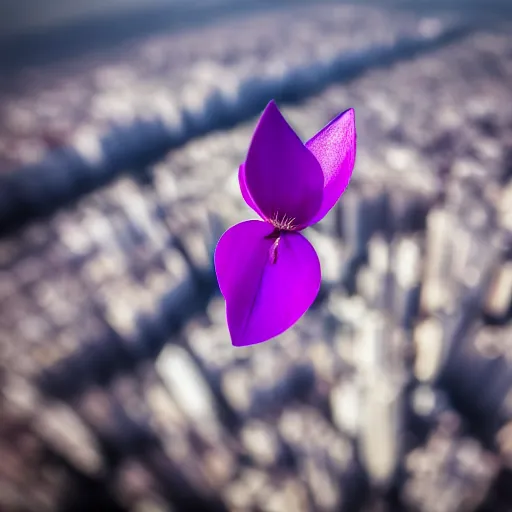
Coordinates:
(122,125)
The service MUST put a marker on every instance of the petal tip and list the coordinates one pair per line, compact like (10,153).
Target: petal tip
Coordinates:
(273,110)
(348,115)
(250,344)
(351,113)
(272,104)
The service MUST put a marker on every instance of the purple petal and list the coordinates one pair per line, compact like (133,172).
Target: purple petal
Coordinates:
(263,299)
(335,149)
(245,193)
(282,175)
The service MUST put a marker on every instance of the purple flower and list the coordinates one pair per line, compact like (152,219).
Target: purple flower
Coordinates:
(268,272)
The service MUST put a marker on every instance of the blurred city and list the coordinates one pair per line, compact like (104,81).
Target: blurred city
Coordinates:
(122,126)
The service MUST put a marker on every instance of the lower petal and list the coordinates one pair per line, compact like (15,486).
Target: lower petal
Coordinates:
(266,292)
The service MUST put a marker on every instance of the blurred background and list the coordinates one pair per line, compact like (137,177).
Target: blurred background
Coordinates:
(122,125)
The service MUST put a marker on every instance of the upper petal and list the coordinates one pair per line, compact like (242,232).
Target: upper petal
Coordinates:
(283,177)
(245,193)
(263,299)
(335,149)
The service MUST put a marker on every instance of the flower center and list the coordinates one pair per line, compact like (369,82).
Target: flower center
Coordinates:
(282,222)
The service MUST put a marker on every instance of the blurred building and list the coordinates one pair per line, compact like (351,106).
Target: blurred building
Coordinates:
(119,388)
